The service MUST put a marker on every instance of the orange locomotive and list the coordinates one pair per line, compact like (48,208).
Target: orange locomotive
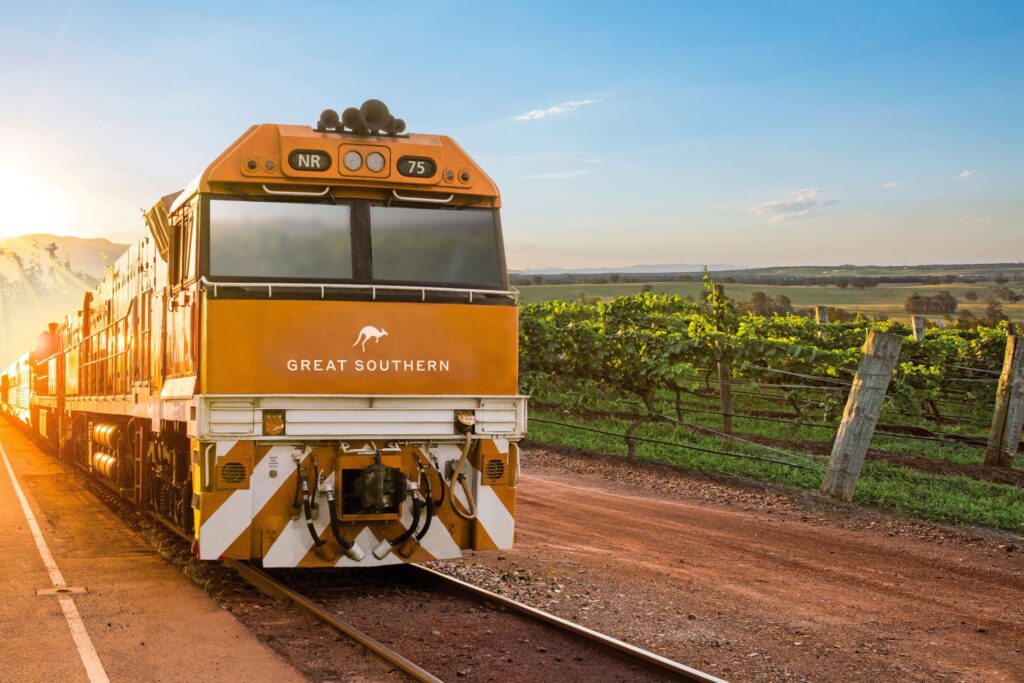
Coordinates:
(311,360)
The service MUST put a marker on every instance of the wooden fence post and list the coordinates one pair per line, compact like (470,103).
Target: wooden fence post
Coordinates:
(881,350)
(1004,435)
(917,324)
(821,318)
(725,393)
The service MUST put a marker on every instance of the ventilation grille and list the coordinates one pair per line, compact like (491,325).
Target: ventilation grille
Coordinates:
(494,469)
(232,474)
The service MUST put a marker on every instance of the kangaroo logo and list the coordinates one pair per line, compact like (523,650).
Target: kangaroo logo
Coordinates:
(367,333)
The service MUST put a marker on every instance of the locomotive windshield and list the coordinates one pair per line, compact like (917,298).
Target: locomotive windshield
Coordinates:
(434,246)
(259,240)
(279,240)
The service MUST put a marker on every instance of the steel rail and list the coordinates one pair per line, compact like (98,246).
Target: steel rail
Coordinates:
(268,585)
(609,642)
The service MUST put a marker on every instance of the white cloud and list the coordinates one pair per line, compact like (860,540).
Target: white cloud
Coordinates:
(559,174)
(800,204)
(562,108)
(966,173)
(894,185)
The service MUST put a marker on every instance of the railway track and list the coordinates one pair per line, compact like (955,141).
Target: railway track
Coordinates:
(604,653)
(582,649)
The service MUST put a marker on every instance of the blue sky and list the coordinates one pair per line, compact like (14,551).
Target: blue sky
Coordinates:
(751,133)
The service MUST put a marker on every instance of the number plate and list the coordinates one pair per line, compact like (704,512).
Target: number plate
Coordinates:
(309,160)
(417,167)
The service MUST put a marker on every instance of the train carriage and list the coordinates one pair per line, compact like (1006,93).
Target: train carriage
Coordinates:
(309,360)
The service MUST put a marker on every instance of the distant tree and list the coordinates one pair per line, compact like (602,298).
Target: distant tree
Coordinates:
(944,302)
(966,320)
(783,304)
(615,277)
(1006,294)
(51,249)
(948,279)
(971,295)
(760,303)
(684,278)
(648,287)
(994,312)
(538,279)
(728,280)
(842,283)
(863,282)
(915,303)
(1000,279)
(941,303)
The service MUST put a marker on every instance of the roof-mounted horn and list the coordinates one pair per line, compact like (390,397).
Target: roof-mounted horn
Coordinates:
(372,118)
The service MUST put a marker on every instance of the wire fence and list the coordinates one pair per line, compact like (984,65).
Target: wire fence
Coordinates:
(664,442)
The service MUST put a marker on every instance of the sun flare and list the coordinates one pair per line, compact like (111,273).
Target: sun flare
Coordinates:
(28,203)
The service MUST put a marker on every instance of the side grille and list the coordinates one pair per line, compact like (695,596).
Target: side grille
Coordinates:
(232,475)
(494,469)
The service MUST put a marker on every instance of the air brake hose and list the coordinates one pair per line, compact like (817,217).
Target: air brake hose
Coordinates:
(316,487)
(457,475)
(427,490)
(296,502)
(384,547)
(317,541)
(429,503)
(351,549)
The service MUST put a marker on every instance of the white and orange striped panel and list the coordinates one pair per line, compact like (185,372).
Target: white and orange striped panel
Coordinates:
(254,522)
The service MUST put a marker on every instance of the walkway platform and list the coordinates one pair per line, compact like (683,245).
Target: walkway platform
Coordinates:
(138,619)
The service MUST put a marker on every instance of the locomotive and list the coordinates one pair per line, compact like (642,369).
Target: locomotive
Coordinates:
(309,360)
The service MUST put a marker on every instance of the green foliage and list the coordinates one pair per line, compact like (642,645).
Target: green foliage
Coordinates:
(654,350)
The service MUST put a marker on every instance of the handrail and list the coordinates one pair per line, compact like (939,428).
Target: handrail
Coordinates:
(80,342)
(297,193)
(512,293)
(426,200)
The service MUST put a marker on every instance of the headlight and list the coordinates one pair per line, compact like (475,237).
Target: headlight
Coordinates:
(353,160)
(273,422)
(375,162)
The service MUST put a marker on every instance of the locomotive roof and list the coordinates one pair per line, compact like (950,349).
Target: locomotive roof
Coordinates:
(274,158)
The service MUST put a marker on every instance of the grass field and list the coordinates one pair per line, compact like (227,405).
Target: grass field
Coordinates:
(942,496)
(886,299)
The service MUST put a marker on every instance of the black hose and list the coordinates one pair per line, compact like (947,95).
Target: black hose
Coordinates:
(296,503)
(440,478)
(336,523)
(429,502)
(407,534)
(316,483)
(437,503)
(317,541)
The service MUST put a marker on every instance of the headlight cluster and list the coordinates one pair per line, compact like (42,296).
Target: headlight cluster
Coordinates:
(353,160)
(375,162)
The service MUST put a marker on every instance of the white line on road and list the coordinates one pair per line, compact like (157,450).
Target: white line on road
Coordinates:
(93,666)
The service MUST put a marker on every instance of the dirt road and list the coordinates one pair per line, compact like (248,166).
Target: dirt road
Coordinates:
(758,584)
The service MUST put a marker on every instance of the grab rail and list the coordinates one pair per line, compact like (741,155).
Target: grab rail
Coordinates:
(512,293)
(426,200)
(296,193)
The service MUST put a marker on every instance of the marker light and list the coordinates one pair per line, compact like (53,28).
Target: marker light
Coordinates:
(375,162)
(353,160)
(273,422)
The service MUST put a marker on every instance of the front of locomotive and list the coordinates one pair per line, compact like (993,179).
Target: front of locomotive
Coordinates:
(357,401)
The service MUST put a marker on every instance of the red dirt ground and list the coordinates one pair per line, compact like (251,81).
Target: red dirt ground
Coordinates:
(758,583)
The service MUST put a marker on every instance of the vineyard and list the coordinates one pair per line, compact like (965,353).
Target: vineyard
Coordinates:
(704,387)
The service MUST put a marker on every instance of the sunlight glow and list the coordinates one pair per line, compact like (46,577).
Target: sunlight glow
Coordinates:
(29,204)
